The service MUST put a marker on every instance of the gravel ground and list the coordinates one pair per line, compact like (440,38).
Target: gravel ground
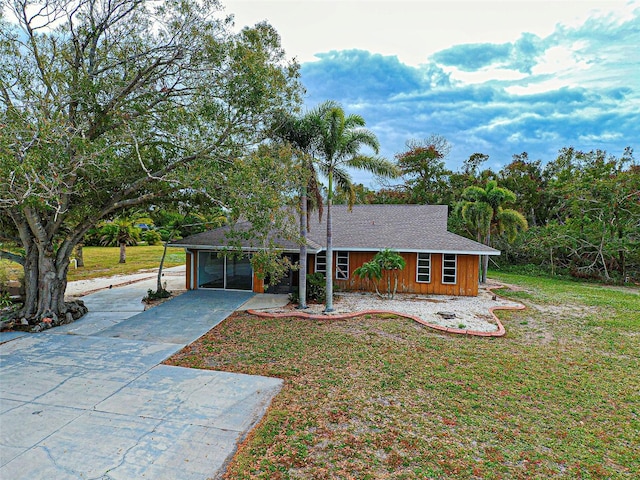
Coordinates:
(471,313)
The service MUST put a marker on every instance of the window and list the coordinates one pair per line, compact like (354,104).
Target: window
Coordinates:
(423,274)
(224,272)
(342,265)
(449,268)
(321,263)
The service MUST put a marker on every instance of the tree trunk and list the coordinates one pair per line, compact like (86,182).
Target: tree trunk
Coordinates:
(329,274)
(30,281)
(302,280)
(485,260)
(388,275)
(79,255)
(123,252)
(45,284)
(395,285)
(51,286)
(159,286)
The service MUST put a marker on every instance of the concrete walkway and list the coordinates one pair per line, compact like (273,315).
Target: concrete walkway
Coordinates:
(90,400)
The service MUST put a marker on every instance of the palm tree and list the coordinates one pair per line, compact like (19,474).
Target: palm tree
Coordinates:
(391,262)
(372,272)
(483,211)
(302,134)
(341,139)
(386,263)
(121,232)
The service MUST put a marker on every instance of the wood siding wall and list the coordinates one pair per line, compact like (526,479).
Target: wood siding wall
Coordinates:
(258,285)
(466,281)
(189,264)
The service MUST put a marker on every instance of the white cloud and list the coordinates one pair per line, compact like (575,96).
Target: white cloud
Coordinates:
(412,30)
(484,75)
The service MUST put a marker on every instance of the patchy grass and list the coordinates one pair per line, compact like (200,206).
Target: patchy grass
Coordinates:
(372,397)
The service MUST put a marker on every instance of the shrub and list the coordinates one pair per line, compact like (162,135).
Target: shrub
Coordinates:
(4,276)
(316,287)
(153,295)
(5,300)
(152,237)
(92,237)
(164,233)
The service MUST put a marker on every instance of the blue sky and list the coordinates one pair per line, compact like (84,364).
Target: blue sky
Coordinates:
(499,78)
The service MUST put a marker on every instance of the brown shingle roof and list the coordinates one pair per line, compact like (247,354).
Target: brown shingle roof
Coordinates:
(421,228)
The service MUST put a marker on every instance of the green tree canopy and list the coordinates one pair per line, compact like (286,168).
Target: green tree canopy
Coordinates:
(423,167)
(106,106)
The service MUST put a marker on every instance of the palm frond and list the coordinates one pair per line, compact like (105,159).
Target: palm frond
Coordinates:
(511,222)
(376,165)
(474,193)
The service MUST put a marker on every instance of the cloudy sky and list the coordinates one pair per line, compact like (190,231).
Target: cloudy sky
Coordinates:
(494,77)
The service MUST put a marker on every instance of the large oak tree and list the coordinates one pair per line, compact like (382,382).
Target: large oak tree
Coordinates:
(108,105)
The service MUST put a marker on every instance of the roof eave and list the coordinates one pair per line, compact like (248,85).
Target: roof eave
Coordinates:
(244,249)
(420,250)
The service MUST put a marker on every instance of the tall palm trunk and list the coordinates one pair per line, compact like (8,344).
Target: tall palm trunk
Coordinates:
(302,281)
(485,261)
(123,252)
(329,274)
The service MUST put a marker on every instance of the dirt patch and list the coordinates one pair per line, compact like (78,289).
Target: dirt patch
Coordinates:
(148,304)
(558,312)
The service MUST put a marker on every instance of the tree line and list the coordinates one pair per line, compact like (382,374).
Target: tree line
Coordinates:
(582,209)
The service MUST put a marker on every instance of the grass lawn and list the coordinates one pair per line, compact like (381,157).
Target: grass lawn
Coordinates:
(103,261)
(380,397)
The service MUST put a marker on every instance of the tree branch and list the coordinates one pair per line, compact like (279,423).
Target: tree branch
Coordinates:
(12,257)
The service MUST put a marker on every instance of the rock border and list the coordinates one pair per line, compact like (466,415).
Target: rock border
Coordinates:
(457,331)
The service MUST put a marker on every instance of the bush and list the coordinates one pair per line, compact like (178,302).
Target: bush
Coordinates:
(152,237)
(4,276)
(92,237)
(153,295)
(165,234)
(5,300)
(316,287)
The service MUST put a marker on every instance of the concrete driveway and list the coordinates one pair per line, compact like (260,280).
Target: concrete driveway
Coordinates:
(89,400)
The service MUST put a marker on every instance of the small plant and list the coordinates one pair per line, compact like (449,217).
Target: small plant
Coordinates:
(5,300)
(462,325)
(156,295)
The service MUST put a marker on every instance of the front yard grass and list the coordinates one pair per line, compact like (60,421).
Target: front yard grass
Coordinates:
(375,398)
